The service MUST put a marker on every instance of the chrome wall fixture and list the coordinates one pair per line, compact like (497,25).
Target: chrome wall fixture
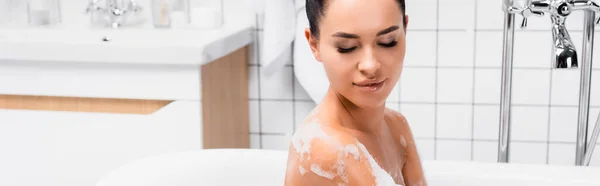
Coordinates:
(564,55)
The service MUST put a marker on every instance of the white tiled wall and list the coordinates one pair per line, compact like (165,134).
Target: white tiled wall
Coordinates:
(450,88)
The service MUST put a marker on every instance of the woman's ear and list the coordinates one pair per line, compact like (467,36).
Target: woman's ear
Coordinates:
(313,43)
(405,22)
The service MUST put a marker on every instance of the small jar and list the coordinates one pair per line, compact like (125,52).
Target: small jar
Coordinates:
(206,14)
(43,12)
(161,13)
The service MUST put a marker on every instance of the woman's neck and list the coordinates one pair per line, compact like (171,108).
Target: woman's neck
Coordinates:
(367,120)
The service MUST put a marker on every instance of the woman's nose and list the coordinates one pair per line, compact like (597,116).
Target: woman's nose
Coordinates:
(369,66)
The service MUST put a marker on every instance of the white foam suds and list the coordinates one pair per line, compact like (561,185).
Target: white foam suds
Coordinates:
(341,170)
(302,170)
(382,178)
(403,141)
(304,136)
(350,149)
(319,171)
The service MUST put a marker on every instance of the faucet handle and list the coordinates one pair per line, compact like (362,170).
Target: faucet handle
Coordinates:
(524,23)
(527,12)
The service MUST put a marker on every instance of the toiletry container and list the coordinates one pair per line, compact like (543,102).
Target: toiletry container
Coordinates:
(43,12)
(206,14)
(170,13)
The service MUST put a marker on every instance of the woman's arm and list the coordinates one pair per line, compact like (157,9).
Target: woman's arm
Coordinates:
(412,170)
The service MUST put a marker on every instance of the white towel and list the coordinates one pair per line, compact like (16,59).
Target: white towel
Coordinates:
(308,71)
(278,35)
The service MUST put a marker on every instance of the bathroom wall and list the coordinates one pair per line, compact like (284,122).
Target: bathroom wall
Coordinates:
(450,88)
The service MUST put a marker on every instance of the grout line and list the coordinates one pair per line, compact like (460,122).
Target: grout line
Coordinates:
(496,140)
(260,138)
(437,48)
(549,118)
(294,99)
(281,100)
(473,86)
(481,67)
(484,104)
(267,134)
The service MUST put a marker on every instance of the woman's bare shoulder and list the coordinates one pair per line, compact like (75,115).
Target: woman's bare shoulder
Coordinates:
(396,120)
(324,155)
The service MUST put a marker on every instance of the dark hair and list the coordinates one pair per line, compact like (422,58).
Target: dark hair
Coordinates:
(315,9)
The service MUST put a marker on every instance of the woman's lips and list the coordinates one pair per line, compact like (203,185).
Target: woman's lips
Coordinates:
(370,87)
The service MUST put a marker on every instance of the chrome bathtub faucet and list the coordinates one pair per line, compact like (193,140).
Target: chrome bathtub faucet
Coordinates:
(115,11)
(564,55)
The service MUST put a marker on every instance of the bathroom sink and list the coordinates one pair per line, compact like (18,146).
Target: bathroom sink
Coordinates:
(183,46)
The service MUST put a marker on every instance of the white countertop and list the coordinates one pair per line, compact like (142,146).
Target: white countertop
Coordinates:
(177,46)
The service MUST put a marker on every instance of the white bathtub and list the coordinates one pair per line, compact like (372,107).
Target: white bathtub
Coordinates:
(246,167)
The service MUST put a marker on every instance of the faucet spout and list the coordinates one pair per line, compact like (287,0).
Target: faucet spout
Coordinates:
(564,54)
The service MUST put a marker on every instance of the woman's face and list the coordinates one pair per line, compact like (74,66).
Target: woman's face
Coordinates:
(361,45)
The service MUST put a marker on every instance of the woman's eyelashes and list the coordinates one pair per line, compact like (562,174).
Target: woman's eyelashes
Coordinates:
(350,49)
(389,45)
(346,50)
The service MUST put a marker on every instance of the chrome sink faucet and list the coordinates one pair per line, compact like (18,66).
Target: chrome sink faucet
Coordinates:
(115,11)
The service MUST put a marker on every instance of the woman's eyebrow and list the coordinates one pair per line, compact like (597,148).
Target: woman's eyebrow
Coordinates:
(388,30)
(354,36)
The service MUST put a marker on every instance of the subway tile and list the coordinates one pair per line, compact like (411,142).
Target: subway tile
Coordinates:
(254,141)
(485,151)
(394,94)
(417,85)
(531,86)
(302,110)
(253,82)
(421,119)
(455,85)
(299,91)
(592,118)
(278,86)
(456,14)
(575,21)
(276,117)
(453,150)
(276,142)
(422,14)
(420,48)
(595,160)
(489,14)
(454,121)
(486,122)
(456,49)
(529,123)
(254,116)
(596,50)
(565,87)
(561,154)
(532,49)
(527,153)
(488,49)
(595,88)
(426,149)
(563,124)
(487,85)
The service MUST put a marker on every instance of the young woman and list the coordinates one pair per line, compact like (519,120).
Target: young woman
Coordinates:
(350,138)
